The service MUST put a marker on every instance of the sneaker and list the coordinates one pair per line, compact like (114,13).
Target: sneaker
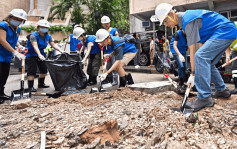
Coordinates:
(137,66)
(198,104)
(225,93)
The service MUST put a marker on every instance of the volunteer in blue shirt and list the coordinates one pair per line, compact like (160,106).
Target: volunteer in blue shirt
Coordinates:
(37,42)
(74,43)
(93,52)
(124,52)
(9,33)
(178,47)
(113,77)
(214,33)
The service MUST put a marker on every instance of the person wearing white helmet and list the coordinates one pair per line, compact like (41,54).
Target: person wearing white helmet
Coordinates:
(113,77)
(37,42)
(214,33)
(105,20)
(74,42)
(123,51)
(9,33)
(93,53)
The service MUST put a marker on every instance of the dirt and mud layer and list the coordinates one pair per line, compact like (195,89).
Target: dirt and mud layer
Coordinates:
(118,119)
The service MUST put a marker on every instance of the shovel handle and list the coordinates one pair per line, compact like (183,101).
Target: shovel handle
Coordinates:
(185,97)
(233,59)
(171,81)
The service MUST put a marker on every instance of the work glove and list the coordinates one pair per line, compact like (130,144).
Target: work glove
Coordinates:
(84,61)
(19,55)
(228,60)
(107,56)
(41,57)
(191,80)
(22,49)
(171,55)
(103,76)
(181,58)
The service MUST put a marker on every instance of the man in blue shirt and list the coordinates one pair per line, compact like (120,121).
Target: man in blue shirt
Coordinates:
(9,33)
(93,53)
(124,52)
(214,33)
(178,47)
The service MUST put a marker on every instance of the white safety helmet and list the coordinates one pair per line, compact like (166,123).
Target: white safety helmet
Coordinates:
(105,19)
(19,13)
(43,23)
(77,32)
(162,10)
(101,35)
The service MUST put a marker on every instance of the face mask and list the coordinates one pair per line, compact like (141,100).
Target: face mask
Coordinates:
(15,23)
(44,30)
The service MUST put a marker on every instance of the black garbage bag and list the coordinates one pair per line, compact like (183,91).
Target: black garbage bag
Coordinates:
(66,72)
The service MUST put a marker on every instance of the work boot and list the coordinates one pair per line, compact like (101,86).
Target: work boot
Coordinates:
(181,81)
(115,80)
(129,79)
(3,96)
(235,90)
(123,81)
(93,81)
(198,104)
(31,86)
(41,83)
(224,93)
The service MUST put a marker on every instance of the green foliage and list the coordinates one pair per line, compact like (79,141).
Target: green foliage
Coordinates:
(117,10)
(52,29)
(29,28)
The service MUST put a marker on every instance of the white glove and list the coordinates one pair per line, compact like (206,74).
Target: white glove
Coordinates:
(171,55)
(83,61)
(181,58)
(19,56)
(107,56)
(41,57)
(22,49)
(191,80)
(103,76)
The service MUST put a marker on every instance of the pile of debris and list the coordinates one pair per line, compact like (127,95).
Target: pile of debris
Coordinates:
(118,119)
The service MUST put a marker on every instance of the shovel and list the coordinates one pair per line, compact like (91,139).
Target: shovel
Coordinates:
(185,111)
(22,95)
(54,95)
(178,90)
(222,66)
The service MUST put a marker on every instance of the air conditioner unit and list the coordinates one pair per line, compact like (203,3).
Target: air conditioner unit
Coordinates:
(146,23)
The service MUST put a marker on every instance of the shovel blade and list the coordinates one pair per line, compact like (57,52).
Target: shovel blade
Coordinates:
(20,96)
(186,112)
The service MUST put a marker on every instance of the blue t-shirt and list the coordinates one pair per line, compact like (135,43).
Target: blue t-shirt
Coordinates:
(95,48)
(73,43)
(113,31)
(42,44)
(12,38)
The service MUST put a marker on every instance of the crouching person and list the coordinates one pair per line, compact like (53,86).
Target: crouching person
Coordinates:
(124,52)
(93,52)
(37,42)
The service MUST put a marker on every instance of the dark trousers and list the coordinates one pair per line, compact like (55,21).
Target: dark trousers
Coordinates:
(137,58)
(94,64)
(4,73)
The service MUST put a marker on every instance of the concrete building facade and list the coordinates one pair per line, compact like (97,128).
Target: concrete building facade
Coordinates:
(143,10)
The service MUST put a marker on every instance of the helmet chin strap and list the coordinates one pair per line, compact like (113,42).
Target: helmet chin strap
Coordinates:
(173,20)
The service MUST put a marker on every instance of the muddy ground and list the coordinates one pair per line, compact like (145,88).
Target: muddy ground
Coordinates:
(123,119)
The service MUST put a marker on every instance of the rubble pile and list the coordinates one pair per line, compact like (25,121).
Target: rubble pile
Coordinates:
(121,118)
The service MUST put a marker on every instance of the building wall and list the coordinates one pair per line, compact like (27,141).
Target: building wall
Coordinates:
(7,5)
(135,25)
(137,6)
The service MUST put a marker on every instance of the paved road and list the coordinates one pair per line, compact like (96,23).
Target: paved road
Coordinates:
(13,82)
